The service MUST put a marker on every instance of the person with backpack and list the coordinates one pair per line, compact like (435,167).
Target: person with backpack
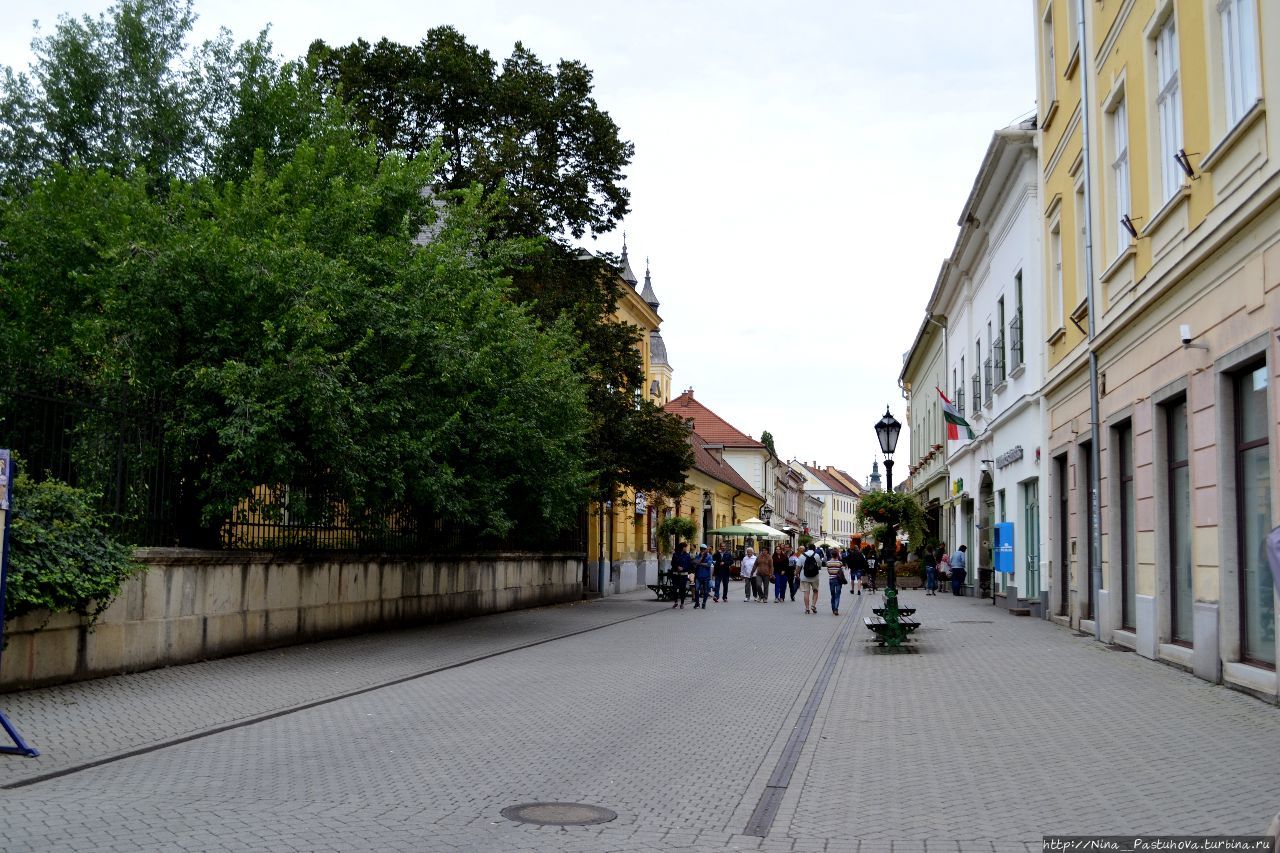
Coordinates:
(809,572)
(869,552)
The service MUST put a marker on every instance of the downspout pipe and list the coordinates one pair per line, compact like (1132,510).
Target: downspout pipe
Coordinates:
(1095,449)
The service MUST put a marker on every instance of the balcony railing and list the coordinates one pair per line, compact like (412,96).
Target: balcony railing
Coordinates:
(1015,339)
(986,388)
(999,351)
(960,400)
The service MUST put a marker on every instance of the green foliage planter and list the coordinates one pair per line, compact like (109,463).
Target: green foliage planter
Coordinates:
(61,557)
(884,508)
(683,528)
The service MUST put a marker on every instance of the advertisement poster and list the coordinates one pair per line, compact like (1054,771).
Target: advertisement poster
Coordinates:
(1004,547)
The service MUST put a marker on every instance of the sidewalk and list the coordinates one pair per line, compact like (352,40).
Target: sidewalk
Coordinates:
(992,732)
(79,724)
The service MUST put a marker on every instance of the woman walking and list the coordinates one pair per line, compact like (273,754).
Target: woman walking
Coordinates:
(780,565)
(929,558)
(764,574)
(836,579)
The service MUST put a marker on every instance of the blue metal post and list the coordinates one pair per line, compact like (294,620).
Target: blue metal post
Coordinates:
(7,471)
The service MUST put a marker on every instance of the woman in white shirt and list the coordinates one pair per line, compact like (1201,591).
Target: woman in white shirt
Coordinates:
(748,572)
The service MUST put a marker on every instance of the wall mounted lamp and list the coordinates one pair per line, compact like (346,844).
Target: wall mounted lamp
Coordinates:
(1184,332)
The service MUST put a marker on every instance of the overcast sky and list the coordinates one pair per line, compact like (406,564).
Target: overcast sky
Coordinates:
(798,173)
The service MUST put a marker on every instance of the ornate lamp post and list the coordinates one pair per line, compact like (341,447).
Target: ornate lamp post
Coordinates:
(766,513)
(887,429)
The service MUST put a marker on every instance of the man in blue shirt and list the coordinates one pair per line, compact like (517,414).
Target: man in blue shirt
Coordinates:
(958,570)
(702,577)
(721,564)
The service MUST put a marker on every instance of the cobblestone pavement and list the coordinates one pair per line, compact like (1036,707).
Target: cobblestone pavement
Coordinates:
(998,730)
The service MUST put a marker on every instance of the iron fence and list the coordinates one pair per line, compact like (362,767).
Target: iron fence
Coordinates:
(110,441)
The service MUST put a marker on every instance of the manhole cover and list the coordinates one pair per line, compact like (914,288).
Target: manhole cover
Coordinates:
(558,814)
(972,622)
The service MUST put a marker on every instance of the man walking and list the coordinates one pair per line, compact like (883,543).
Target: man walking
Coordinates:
(809,571)
(930,571)
(701,578)
(958,568)
(681,565)
(722,563)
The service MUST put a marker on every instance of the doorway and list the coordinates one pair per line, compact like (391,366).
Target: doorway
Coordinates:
(986,541)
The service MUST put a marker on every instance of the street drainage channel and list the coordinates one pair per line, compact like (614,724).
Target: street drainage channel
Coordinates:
(558,814)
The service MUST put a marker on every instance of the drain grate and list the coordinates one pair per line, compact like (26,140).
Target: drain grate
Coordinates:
(558,814)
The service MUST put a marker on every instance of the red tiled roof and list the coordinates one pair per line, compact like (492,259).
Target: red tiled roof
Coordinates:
(706,423)
(844,475)
(832,483)
(706,462)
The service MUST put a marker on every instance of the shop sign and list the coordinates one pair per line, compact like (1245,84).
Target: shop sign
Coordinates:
(1004,460)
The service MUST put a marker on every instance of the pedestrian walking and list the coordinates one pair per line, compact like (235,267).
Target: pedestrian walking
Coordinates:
(764,574)
(958,569)
(836,578)
(873,564)
(721,565)
(809,572)
(930,560)
(857,567)
(780,565)
(748,574)
(681,566)
(795,562)
(701,578)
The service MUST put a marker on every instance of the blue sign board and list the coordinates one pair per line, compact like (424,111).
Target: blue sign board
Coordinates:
(1004,547)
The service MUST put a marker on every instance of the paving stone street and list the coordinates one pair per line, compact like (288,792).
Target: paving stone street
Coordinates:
(995,731)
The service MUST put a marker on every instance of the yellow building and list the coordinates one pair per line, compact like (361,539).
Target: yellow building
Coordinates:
(1182,179)
(628,524)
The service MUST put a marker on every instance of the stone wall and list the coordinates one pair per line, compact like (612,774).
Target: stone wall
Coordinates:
(194,605)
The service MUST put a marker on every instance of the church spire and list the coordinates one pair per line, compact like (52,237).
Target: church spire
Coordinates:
(627,275)
(647,294)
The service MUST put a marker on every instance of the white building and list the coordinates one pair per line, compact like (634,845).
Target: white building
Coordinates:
(988,295)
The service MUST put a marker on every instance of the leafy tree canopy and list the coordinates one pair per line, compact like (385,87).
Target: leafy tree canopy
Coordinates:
(534,128)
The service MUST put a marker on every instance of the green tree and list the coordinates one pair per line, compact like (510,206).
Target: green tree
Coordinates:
(125,91)
(534,129)
(766,438)
(539,134)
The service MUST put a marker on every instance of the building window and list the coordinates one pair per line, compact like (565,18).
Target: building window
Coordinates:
(1253,516)
(1015,325)
(1237,22)
(1082,266)
(1128,527)
(1168,107)
(1050,70)
(1064,535)
(1179,521)
(1120,172)
(1056,296)
(1000,350)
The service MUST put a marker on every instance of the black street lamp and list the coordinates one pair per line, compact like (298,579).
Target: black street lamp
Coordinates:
(887,429)
(766,513)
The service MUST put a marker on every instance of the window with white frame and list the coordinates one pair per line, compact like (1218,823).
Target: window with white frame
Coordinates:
(1237,22)
(1168,107)
(1082,267)
(1073,23)
(1050,70)
(1119,118)
(1055,275)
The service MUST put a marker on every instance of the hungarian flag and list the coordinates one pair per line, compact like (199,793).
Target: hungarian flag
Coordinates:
(955,423)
